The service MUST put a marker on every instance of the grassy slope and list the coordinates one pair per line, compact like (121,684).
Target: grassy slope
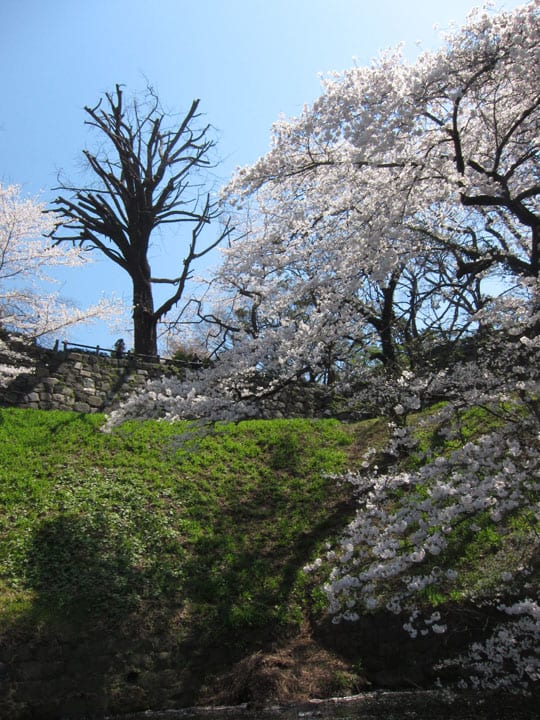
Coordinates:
(169,546)
(219,521)
(206,528)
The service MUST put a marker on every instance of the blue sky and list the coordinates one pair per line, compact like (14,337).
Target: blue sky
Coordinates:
(247,60)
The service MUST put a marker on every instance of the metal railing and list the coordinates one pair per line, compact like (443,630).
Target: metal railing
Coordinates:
(126,355)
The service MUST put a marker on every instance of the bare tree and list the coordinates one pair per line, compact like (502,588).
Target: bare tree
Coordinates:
(146,177)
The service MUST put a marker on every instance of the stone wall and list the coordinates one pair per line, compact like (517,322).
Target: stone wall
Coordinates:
(69,380)
(79,670)
(95,382)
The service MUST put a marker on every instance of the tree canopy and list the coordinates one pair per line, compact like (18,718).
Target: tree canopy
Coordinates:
(386,210)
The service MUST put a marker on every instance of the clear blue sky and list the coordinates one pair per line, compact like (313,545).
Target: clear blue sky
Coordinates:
(247,60)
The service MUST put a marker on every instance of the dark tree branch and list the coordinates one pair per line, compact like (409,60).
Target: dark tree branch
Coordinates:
(143,181)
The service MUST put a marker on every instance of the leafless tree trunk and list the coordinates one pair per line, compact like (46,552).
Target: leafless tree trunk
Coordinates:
(145,172)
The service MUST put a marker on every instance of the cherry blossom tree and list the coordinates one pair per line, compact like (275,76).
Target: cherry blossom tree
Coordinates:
(410,162)
(27,261)
(401,211)
(396,162)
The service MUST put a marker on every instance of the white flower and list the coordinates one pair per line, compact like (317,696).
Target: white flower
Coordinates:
(438,629)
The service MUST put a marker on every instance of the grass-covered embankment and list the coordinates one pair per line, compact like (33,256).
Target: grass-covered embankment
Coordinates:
(220,518)
(161,564)
(200,533)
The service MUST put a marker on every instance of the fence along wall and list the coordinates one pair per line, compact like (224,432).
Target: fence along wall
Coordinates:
(71,380)
(93,382)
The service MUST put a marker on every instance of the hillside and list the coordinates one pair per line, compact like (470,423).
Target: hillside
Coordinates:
(161,565)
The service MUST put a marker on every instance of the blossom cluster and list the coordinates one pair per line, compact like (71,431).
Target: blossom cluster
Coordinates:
(27,263)
(12,363)
(509,658)
(435,534)
(407,522)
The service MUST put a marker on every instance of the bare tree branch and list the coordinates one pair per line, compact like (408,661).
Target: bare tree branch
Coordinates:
(143,180)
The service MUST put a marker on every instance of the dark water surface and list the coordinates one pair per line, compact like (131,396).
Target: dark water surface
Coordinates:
(417,705)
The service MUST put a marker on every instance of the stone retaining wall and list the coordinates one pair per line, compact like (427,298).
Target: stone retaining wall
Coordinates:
(79,670)
(85,382)
(77,381)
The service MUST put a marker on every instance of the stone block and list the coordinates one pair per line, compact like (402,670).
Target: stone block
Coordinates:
(95,402)
(35,670)
(49,383)
(81,407)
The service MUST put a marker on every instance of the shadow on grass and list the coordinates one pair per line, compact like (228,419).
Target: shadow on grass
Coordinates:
(78,566)
(126,621)
(85,586)
(100,636)
(243,578)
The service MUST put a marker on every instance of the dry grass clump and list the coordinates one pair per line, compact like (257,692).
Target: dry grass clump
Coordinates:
(295,671)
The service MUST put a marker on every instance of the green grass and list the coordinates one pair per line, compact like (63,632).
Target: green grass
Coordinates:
(215,521)
(211,525)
